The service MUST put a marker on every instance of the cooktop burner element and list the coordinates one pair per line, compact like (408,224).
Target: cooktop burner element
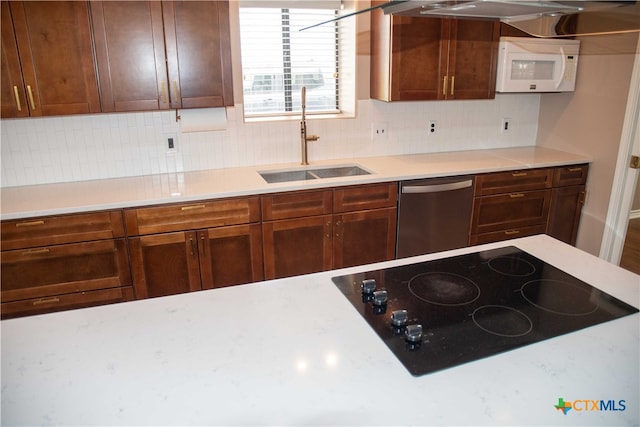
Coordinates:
(444,288)
(438,314)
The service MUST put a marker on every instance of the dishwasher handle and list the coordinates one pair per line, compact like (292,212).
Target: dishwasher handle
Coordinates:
(436,188)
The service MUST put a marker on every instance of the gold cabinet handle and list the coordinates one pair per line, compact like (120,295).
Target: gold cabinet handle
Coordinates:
(444,85)
(575,169)
(192,247)
(47,301)
(176,92)
(517,174)
(163,92)
(30,223)
(204,244)
(516,195)
(30,93)
(36,252)
(17,96)
(328,232)
(192,207)
(453,84)
(511,232)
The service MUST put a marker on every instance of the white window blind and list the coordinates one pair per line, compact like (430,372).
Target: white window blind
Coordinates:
(278,59)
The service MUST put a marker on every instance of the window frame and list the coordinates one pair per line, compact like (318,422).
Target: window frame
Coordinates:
(345,82)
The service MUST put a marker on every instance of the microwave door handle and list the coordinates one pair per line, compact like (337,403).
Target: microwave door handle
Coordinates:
(563,62)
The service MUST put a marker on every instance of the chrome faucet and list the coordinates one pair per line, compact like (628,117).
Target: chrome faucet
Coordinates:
(304,138)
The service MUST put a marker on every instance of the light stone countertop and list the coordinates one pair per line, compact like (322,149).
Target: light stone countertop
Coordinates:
(82,196)
(295,352)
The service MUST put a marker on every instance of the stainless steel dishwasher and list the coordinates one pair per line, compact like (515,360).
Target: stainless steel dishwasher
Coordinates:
(434,215)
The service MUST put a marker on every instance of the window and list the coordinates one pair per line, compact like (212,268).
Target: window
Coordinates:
(278,60)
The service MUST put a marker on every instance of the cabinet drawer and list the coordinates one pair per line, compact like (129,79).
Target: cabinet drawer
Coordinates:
(570,175)
(363,197)
(66,302)
(512,233)
(189,216)
(296,204)
(505,182)
(55,270)
(56,230)
(507,211)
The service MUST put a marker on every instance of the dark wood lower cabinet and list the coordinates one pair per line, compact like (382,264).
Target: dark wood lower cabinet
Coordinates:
(165,264)
(364,237)
(52,278)
(230,255)
(566,209)
(297,246)
(172,263)
(320,243)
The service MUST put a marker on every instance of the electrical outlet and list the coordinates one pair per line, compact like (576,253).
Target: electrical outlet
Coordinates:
(433,127)
(506,125)
(379,131)
(171,142)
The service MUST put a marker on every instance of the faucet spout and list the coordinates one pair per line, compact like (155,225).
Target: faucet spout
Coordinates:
(304,138)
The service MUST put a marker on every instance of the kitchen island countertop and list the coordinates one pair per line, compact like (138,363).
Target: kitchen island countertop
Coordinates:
(295,352)
(83,196)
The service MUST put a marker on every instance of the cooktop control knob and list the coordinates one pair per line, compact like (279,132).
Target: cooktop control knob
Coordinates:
(413,333)
(399,317)
(380,298)
(368,286)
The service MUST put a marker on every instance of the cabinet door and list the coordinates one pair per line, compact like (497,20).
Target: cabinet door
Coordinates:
(56,54)
(565,212)
(198,53)
(230,255)
(165,264)
(130,55)
(407,57)
(364,237)
(509,211)
(297,246)
(64,269)
(13,101)
(473,57)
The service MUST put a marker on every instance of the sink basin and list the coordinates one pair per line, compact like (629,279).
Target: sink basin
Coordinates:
(286,176)
(339,171)
(289,175)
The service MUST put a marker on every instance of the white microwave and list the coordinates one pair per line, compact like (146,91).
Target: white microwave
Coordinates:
(537,65)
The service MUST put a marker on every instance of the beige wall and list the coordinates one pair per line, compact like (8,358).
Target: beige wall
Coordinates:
(590,120)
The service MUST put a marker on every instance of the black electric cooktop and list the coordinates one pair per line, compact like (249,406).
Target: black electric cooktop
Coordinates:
(438,314)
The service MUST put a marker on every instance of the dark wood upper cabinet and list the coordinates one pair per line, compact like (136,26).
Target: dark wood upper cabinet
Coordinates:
(130,55)
(198,53)
(158,55)
(55,74)
(432,58)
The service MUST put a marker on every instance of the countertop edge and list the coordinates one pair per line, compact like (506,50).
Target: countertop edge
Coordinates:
(128,192)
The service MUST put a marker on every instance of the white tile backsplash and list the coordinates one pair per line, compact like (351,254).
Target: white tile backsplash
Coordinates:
(77,148)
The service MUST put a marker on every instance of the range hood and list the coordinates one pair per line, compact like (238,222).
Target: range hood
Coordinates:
(543,18)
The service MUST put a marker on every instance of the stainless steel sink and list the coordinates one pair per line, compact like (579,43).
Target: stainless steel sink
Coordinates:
(289,175)
(340,171)
(286,176)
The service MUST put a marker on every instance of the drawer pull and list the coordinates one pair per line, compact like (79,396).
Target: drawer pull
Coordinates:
(17,96)
(30,93)
(190,208)
(516,174)
(575,169)
(36,252)
(53,300)
(516,195)
(511,232)
(29,223)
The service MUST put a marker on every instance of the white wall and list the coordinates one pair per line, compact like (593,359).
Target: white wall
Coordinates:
(57,149)
(589,121)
